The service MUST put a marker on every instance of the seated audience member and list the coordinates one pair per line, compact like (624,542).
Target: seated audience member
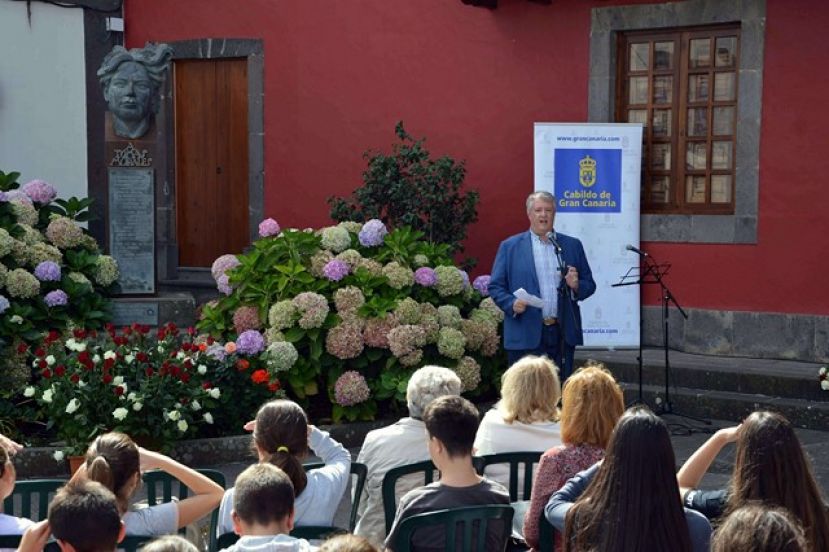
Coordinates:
(451,423)
(281,436)
(9,525)
(83,517)
(347,543)
(631,500)
(170,543)
(770,466)
(526,417)
(592,403)
(403,442)
(759,528)
(263,511)
(116,462)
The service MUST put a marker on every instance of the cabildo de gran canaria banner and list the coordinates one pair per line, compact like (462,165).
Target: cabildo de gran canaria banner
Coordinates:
(593,169)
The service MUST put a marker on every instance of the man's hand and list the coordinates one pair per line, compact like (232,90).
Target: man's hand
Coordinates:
(519,306)
(572,278)
(35,537)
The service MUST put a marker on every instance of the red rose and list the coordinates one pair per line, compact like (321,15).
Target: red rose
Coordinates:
(206,385)
(22,348)
(210,341)
(39,352)
(242,365)
(79,334)
(274,386)
(94,333)
(109,363)
(60,370)
(119,390)
(74,378)
(46,373)
(260,376)
(42,364)
(88,365)
(191,331)
(54,335)
(161,334)
(83,356)
(142,357)
(107,378)
(185,377)
(149,371)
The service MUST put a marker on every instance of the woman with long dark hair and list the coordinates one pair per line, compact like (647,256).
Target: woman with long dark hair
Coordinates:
(770,467)
(630,501)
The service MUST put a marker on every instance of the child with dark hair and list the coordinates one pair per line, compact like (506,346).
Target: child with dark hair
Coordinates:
(283,437)
(758,527)
(451,424)
(263,511)
(83,517)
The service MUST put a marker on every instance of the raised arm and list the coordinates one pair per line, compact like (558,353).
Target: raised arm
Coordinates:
(206,493)
(691,472)
(561,501)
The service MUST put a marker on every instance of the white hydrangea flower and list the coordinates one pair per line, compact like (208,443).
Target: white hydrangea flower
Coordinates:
(58,455)
(73,406)
(29,392)
(182,426)
(120,413)
(50,360)
(208,417)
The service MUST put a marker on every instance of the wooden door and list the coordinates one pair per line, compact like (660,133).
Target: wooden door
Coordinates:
(211,129)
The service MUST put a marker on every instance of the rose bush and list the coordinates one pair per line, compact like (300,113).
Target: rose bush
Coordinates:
(348,312)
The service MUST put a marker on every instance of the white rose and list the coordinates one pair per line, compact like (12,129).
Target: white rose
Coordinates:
(132,396)
(202,369)
(160,348)
(195,405)
(35,363)
(174,415)
(215,393)
(110,354)
(208,417)
(96,359)
(73,405)
(118,380)
(137,406)
(29,392)
(58,455)
(824,385)
(50,360)
(180,355)
(182,426)
(81,384)
(822,371)
(120,413)
(129,359)
(16,319)
(47,396)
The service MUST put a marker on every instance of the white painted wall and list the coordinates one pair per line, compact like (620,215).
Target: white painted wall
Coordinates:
(43,95)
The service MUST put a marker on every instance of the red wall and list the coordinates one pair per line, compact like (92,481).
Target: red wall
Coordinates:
(338,75)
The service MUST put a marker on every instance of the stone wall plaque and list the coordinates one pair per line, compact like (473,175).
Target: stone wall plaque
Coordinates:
(132,227)
(125,313)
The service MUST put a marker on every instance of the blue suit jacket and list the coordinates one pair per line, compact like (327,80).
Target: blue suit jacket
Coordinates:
(514,268)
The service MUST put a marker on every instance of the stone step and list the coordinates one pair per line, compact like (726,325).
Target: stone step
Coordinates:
(727,405)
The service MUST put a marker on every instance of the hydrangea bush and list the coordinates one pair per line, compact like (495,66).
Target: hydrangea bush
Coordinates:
(52,273)
(343,315)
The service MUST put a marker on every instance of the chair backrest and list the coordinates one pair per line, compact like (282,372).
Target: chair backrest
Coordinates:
(225,540)
(427,468)
(361,472)
(133,542)
(515,459)
(465,518)
(161,487)
(546,535)
(34,496)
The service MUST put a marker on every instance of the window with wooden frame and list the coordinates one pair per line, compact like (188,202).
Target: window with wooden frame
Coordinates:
(682,84)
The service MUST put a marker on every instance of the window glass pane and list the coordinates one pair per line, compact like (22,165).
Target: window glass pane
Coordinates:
(695,189)
(726,51)
(721,188)
(639,57)
(661,122)
(638,116)
(695,156)
(661,157)
(638,90)
(723,120)
(720,156)
(698,121)
(724,87)
(663,55)
(698,88)
(699,54)
(660,189)
(663,89)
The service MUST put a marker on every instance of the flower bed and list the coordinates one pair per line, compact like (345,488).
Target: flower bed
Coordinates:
(345,314)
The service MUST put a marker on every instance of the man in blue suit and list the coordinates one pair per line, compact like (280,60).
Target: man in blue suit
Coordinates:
(535,260)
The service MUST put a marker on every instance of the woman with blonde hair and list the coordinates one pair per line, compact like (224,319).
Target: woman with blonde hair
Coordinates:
(592,403)
(526,417)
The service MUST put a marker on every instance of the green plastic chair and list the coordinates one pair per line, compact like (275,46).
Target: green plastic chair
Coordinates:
(463,517)
(161,487)
(515,459)
(10,541)
(225,540)
(546,535)
(35,495)
(361,472)
(389,486)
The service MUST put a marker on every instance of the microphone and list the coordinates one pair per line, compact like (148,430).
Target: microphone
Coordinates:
(555,243)
(635,250)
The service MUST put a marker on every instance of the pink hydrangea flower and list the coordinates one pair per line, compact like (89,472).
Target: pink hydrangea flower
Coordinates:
(268,227)
(351,388)
(40,191)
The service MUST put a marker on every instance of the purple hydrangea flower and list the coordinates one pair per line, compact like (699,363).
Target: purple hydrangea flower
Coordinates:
(223,264)
(11,195)
(465,277)
(223,284)
(47,271)
(40,191)
(335,270)
(3,197)
(57,298)
(216,351)
(481,283)
(250,342)
(268,227)
(372,233)
(425,276)
(4,304)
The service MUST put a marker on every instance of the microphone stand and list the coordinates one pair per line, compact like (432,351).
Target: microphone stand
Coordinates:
(563,288)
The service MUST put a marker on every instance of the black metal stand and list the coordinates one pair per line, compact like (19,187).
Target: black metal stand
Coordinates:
(633,277)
